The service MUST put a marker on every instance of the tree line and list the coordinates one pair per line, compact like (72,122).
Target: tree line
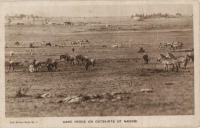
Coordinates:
(157,15)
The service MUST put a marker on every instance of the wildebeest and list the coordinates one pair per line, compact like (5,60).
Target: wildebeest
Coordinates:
(89,62)
(68,58)
(51,64)
(167,62)
(81,58)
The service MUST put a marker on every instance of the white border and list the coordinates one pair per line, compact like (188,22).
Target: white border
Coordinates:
(143,121)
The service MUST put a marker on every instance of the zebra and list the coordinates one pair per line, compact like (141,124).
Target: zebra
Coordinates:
(180,59)
(168,61)
(51,64)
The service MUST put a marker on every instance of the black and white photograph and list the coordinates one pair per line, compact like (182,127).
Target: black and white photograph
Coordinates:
(100,59)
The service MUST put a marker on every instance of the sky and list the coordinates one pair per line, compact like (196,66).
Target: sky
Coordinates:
(91,9)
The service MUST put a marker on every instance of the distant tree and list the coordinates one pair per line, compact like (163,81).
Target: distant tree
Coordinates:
(178,15)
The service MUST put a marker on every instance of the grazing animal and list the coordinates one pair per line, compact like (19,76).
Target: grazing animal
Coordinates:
(85,41)
(17,43)
(13,64)
(51,64)
(79,58)
(141,50)
(68,58)
(89,62)
(31,68)
(37,65)
(48,44)
(74,42)
(167,62)
(180,59)
(115,46)
(162,46)
(175,45)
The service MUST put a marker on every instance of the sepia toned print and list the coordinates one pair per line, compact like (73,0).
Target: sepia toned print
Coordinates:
(99,60)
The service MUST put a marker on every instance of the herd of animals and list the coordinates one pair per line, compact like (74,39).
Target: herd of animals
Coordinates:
(52,64)
(171,45)
(63,44)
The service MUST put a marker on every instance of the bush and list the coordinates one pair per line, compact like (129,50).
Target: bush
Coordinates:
(22,91)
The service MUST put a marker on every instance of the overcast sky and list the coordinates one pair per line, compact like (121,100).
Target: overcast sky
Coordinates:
(85,9)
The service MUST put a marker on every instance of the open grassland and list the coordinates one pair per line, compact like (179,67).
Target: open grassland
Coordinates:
(117,70)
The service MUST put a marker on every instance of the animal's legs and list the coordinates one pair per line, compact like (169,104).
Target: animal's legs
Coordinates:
(176,68)
(172,67)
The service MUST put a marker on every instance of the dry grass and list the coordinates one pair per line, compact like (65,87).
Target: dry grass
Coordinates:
(117,70)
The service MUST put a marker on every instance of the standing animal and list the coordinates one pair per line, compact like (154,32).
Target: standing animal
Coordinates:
(167,62)
(31,52)
(190,56)
(146,58)
(180,59)
(81,58)
(36,65)
(68,58)
(11,53)
(73,49)
(13,64)
(89,62)
(31,45)
(51,64)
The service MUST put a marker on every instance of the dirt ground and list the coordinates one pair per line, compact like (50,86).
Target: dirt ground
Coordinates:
(116,70)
